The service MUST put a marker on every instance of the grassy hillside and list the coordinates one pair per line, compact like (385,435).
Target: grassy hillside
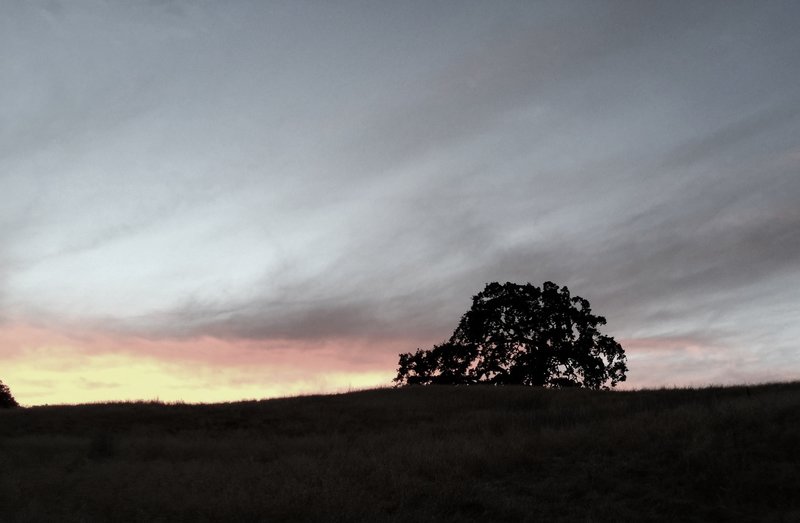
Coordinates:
(425,454)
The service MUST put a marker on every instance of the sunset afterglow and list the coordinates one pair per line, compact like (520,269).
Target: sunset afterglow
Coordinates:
(215,201)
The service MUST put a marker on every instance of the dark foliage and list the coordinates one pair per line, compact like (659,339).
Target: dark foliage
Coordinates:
(7,401)
(521,335)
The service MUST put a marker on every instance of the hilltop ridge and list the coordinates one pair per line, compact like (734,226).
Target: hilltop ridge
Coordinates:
(412,454)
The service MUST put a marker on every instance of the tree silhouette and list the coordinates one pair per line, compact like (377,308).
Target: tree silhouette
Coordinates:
(7,401)
(522,335)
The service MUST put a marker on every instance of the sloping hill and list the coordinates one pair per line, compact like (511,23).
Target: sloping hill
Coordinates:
(415,454)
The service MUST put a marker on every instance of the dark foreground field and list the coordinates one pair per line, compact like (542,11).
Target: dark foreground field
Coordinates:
(432,454)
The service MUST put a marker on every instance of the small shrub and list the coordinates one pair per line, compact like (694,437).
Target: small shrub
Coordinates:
(7,401)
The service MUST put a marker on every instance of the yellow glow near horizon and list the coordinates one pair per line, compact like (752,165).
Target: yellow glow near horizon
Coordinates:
(119,377)
(45,368)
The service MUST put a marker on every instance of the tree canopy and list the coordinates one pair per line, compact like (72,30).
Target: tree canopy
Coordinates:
(7,401)
(521,335)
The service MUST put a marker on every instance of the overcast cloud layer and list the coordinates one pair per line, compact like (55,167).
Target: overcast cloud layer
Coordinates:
(314,171)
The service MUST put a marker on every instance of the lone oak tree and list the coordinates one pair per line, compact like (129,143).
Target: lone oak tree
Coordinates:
(521,335)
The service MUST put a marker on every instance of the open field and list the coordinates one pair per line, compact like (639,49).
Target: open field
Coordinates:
(415,454)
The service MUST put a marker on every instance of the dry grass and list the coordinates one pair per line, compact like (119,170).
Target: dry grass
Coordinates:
(419,454)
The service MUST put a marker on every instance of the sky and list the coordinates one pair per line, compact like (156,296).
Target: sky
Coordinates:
(212,201)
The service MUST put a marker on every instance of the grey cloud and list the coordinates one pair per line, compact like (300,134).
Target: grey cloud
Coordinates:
(686,268)
(685,259)
(356,313)
(300,172)
(536,56)
(745,132)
